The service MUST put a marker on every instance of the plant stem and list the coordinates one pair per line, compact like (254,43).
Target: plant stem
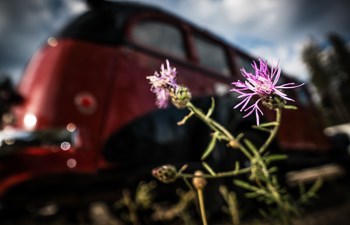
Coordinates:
(218,175)
(273,132)
(210,122)
(201,206)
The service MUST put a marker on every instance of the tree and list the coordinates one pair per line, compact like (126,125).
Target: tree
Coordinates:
(330,73)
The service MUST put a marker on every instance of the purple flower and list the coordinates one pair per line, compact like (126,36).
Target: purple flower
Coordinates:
(163,83)
(262,84)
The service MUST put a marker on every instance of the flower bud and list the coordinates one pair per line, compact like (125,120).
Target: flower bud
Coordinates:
(274,102)
(198,181)
(165,173)
(180,97)
(233,144)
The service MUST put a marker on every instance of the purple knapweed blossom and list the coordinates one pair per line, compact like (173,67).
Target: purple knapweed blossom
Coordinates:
(163,83)
(262,84)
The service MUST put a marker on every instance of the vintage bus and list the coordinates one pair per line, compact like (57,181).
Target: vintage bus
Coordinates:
(88,121)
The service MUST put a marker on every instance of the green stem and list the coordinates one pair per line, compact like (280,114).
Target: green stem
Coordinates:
(218,175)
(273,132)
(210,122)
(223,130)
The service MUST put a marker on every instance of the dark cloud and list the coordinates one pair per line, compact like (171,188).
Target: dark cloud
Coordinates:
(320,17)
(275,29)
(27,24)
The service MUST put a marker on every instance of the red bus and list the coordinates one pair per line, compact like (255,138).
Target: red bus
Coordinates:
(88,116)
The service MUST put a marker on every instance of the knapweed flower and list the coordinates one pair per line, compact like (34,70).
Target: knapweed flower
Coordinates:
(263,85)
(163,83)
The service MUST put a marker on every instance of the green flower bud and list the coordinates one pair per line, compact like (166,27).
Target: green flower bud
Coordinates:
(180,97)
(274,102)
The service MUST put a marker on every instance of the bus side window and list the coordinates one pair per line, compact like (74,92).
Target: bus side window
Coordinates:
(212,55)
(160,36)
(245,62)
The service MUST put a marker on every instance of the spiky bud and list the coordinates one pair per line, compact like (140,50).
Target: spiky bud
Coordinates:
(180,97)
(274,102)
(165,173)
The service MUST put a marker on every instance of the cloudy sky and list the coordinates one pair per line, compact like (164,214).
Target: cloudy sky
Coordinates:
(271,29)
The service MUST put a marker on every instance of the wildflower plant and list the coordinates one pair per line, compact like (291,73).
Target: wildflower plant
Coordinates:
(261,88)
(262,84)
(163,84)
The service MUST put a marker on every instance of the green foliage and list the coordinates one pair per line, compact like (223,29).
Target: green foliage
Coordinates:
(262,184)
(232,208)
(132,208)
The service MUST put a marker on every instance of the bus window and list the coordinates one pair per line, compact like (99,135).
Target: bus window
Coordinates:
(160,36)
(246,63)
(212,55)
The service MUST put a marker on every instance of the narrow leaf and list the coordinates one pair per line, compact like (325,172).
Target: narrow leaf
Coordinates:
(252,194)
(273,170)
(269,124)
(183,121)
(208,168)
(237,166)
(275,157)
(245,185)
(210,147)
(251,146)
(316,186)
(239,136)
(188,184)
(262,129)
(211,109)
(183,168)
(290,107)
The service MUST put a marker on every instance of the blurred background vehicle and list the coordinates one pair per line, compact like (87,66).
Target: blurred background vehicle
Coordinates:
(84,123)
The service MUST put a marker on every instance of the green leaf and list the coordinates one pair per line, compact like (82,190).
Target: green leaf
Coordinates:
(211,109)
(239,136)
(262,129)
(290,107)
(275,157)
(252,194)
(251,146)
(183,168)
(245,185)
(237,166)
(274,180)
(188,184)
(269,124)
(273,170)
(210,147)
(208,168)
(184,120)
(316,186)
